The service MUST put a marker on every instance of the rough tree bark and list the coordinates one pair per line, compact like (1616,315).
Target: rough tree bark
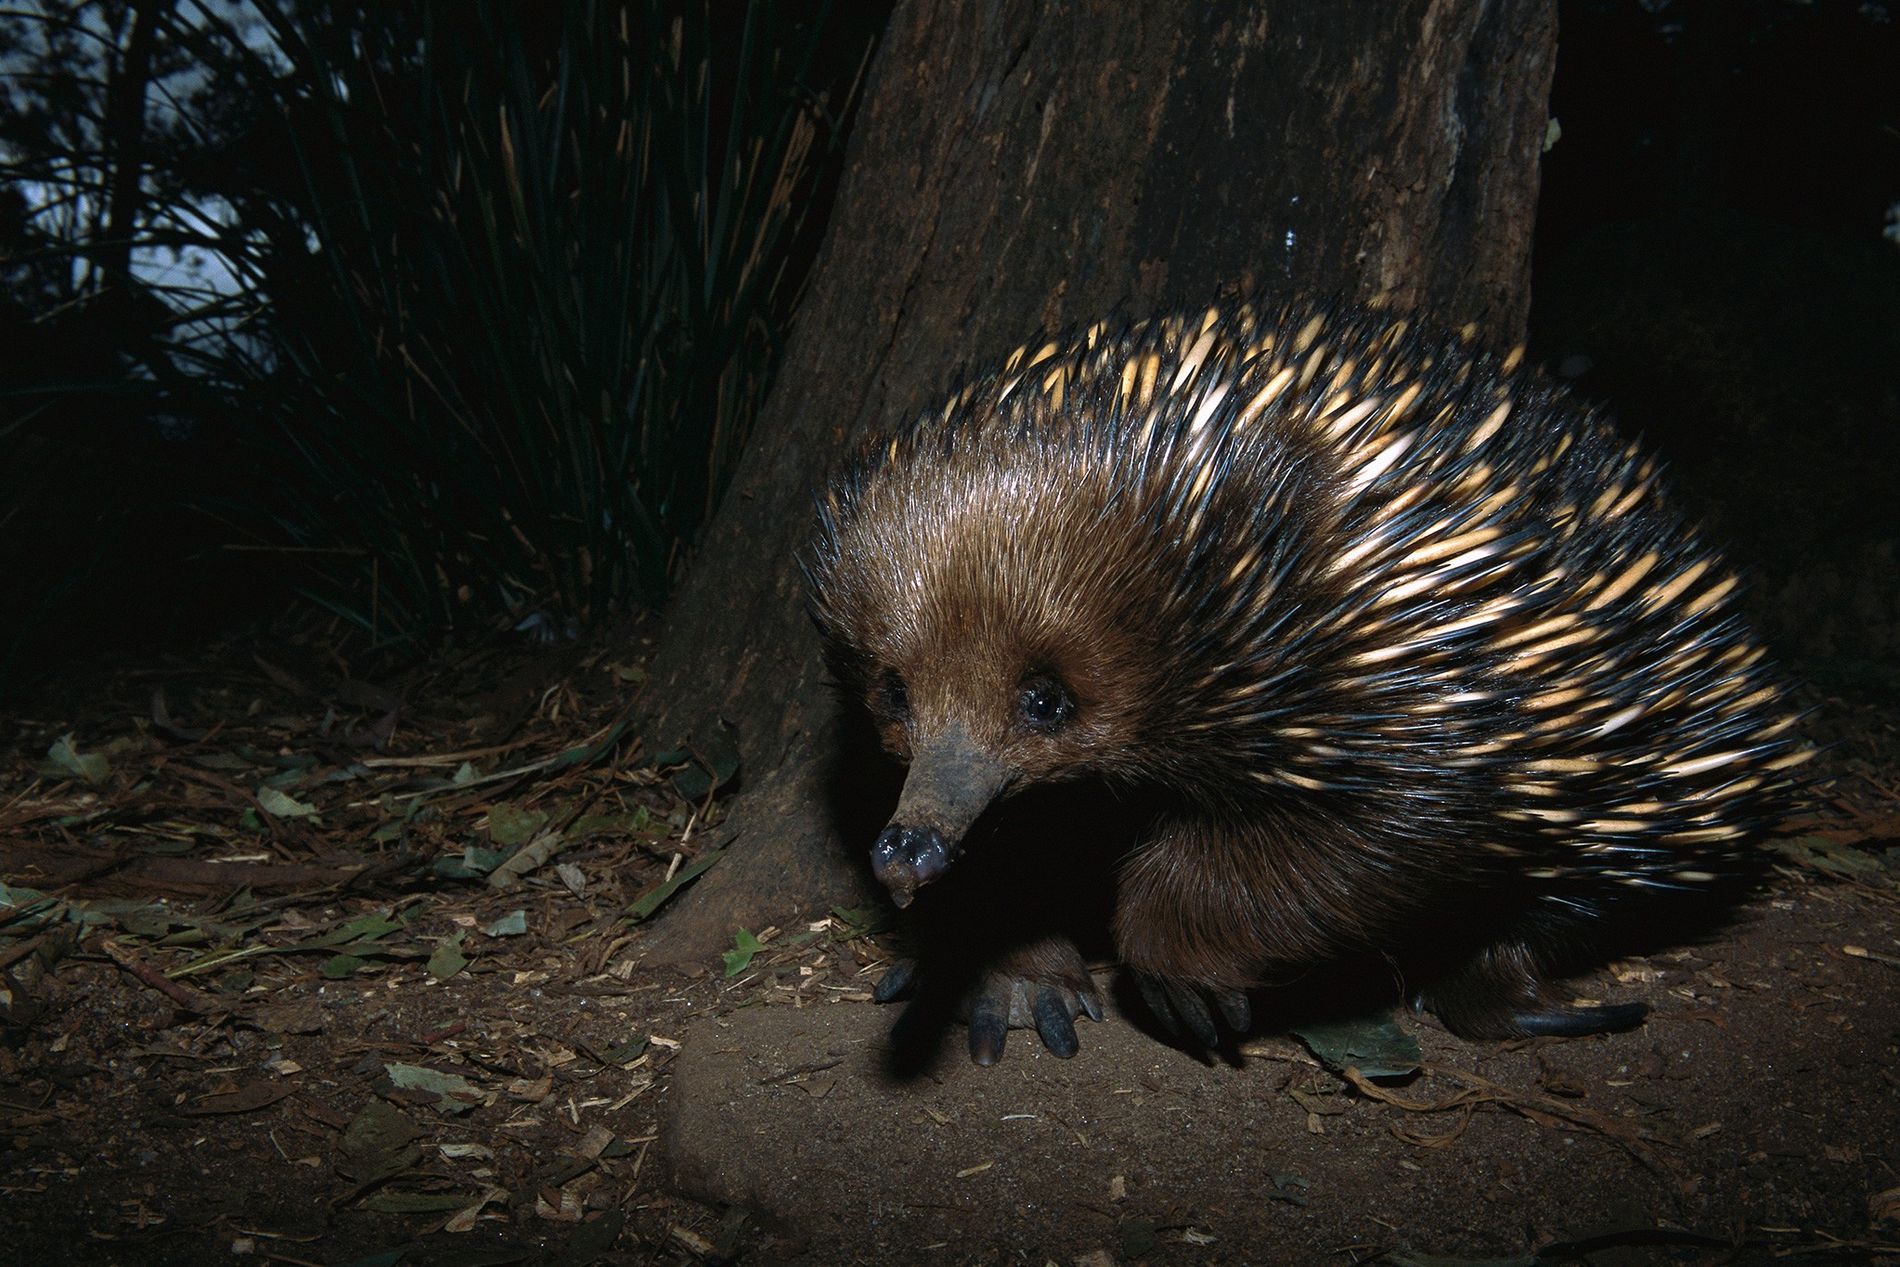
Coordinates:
(1020,164)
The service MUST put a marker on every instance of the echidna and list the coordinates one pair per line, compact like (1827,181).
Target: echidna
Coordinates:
(1399,651)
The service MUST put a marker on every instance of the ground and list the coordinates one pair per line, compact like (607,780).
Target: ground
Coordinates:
(270,994)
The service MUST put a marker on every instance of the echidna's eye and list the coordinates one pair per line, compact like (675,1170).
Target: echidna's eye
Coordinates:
(1044,704)
(893,700)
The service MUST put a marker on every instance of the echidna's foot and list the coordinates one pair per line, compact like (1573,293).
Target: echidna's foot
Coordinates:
(1500,993)
(1497,1019)
(1005,1002)
(1183,1009)
(1043,987)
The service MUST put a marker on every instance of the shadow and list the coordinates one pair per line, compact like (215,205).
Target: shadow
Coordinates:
(1037,865)
(861,783)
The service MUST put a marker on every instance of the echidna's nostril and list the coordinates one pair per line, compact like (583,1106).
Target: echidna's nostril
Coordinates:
(906,858)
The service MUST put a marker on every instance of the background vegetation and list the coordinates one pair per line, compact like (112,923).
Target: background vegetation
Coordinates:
(451,317)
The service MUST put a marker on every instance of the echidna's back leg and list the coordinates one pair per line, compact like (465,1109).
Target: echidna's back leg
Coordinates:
(1205,910)
(1501,991)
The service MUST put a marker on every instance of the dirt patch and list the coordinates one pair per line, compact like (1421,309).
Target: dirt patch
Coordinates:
(1753,1113)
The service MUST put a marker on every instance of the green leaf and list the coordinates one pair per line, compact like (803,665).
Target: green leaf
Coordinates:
(745,946)
(629,1050)
(715,761)
(147,921)
(92,767)
(513,924)
(414,1202)
(339,967)
(593,1239)
(511,826)
(362,929)
(388,1258)
(587,754)
(1373,1043)
(657,896)
(1840,860)
(854,922)
(282,805)
(448,958)
(600,824)
(1140,1238)
(22,908)
(1290,1188)
(297,772)
(379,1142)
(434,1081)
(474,863)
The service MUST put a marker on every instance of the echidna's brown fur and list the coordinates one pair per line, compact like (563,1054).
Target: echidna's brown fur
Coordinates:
(1405,645)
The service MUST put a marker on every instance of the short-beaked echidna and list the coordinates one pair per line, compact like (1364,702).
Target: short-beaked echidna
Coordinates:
(1400,652)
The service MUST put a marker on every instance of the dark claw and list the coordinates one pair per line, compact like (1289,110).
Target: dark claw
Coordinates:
(1192,1009)
(1156,998)
(999,1002)
(1054,1022)
(1574,1022)
(897,981)
(989,1027)
(1182,1009)
(1234,1009)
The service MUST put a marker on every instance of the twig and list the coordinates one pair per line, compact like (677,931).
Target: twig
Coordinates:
(1539,1108)
(183,995)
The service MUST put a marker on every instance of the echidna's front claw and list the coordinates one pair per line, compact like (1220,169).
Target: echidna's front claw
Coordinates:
(989,1027)
(898,982)
(1005,1002)
(1055,1023)
(1043,987)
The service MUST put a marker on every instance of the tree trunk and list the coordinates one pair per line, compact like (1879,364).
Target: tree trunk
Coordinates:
(1020,165)
(123,141)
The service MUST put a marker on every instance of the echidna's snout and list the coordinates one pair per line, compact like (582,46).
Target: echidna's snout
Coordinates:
(951,782)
